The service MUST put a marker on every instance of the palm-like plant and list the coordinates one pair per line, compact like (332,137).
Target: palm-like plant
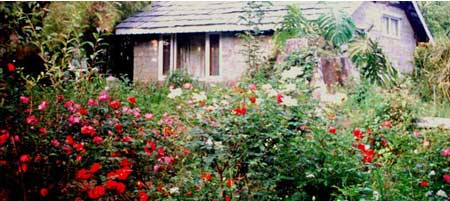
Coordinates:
(373,65)
(335,27)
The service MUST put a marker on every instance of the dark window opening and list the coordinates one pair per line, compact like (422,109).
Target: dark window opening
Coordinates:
(214,54)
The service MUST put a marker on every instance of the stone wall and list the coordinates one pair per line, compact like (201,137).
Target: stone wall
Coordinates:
(400,51)
(233,61)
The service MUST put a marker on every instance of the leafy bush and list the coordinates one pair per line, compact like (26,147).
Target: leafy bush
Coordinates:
(84,143)
(376,105)
(178,77)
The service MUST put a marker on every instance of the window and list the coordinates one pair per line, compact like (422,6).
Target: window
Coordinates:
(191,54)
(214,55)
(197,53)
(391,26)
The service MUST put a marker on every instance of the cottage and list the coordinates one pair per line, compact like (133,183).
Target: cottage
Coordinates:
(201,36)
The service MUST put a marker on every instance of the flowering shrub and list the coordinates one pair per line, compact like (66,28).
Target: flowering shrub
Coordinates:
(100,148)
(255,141)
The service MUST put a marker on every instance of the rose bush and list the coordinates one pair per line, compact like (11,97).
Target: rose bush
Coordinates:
(101,140)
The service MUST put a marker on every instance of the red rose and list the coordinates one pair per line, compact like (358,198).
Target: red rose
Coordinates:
(114,104)
(230,182)
(446,178)
(24,99)
(161,151)
(96,192)
(132,100)
(120,187)
(60,98)
(424,184)
(332,130)
(227,198)
(95,167)
(55,142)
(280,98)
(42,130)
(386,124)
(24,158)
(384,143)
(11,67)
(84,111)
(143,196)
(83,174)
(123,173)
(44,192)
(206,176)
(358,134)
(97,140)
(252,99)
(368,155)
(119,128)
(69,139)
(32,120)
(241,110)
(88,130)
(125,163)
(139,184)
(110,184)
(127,138)
(151,146)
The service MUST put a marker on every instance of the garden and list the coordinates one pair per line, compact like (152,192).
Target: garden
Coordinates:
(70,135)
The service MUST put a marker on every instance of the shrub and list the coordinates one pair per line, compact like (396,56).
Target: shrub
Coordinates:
(86,144)
(433,70)
(178,77)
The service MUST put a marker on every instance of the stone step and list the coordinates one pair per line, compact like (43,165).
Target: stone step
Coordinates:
(433,122)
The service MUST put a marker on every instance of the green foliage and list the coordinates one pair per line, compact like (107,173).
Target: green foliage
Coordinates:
(305,59)
(294,25)
(371,62)
(254,14)
(369,104)
(437,17)
(335,27)
(178,78)
(432,74)
(338,28)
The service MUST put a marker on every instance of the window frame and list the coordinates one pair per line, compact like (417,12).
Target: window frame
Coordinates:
(390,19)
(209,77)
(161,76)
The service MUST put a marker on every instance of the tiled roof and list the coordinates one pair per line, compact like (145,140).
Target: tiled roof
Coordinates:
(207,16)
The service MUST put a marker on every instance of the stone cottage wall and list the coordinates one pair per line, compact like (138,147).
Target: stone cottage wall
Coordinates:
(400,51)
(233,61)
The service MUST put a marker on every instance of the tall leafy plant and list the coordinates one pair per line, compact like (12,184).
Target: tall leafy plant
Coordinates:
(254,14)
(433,69)
(336,28)
(371,62)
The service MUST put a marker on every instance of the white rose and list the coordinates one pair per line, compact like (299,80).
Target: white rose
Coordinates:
(174,93)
